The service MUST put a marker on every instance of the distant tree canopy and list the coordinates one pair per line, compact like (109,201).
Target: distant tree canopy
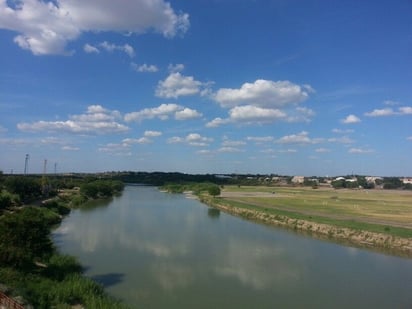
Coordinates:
(392,183)
(101,188)
(24,236)
(26,187)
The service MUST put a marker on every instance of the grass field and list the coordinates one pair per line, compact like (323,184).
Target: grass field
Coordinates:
(374,210)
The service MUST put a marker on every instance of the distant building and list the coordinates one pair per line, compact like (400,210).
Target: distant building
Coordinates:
(406,180)
(298,179)
(372,179)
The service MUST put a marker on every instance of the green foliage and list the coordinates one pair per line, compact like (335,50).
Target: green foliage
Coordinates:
(101,188)
(27,188)
(44,290)
(392,183)
(338,184)
(77,200)
(56,207)
(24,237)
(213,190)
(8,199)
(196,188)
(59,265)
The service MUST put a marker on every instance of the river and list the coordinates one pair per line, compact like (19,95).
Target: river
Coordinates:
(157,250)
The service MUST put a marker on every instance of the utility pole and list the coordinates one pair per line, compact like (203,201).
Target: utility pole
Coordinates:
(26,164)
(45,186)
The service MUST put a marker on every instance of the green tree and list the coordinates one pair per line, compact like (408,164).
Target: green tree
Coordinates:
(392,183)
(214,190)
(26,187)
(338,184)
(24,237)
(7,199)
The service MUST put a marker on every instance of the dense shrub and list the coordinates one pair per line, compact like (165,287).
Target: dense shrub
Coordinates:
(101,188)
(24,237)
(26,187)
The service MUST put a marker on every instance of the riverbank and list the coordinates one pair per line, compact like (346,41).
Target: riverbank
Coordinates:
(401,246)
(47,278)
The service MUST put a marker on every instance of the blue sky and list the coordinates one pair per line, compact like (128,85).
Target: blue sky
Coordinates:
(207,86)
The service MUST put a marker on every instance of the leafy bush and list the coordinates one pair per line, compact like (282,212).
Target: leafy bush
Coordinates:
(26,187)
(25,236)
(7,199)
(214,190)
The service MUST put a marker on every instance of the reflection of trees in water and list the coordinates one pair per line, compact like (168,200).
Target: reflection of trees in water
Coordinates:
(108,279)
(213,212)
(93,204)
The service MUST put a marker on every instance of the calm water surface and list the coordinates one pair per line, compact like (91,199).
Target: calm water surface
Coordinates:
(160,250)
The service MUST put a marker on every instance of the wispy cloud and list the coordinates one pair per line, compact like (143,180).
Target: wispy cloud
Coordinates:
(360,151)
(322,150)
(405,110)
(143,68)
(340,131)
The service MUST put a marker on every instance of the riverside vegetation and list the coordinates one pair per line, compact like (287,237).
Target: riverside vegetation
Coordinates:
(31,267)
(378,219)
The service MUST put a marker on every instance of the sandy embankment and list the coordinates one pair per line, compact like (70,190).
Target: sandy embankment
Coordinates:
(393,244)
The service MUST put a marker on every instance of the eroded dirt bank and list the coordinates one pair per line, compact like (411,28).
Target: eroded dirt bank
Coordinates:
(379,241)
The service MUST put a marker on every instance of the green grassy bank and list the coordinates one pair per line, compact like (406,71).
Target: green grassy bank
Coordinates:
(33,270)
(377,221)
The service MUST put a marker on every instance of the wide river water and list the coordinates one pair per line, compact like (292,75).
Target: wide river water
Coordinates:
(158,250)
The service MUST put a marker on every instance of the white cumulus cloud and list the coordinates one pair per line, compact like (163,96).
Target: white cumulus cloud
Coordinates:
(110,47)
(263,93)
(187,113)
(97,120)
(217,122)
(380,112)
(141,140)
(192,139)
(351,119)
(300,138)
(46,27)
(406,110)
(163,112)
(250,112)
(177,85)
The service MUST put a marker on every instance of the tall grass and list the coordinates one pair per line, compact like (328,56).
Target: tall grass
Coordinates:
(59,285)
